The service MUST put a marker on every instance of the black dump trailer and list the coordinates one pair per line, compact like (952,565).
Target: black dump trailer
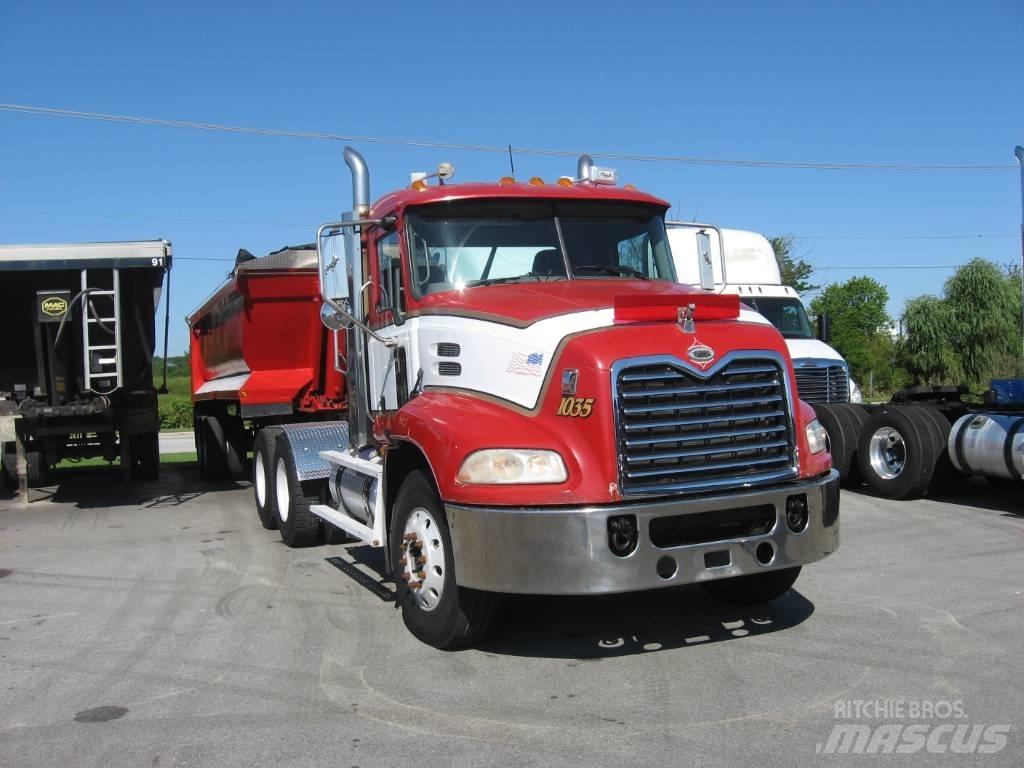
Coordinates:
(76,379)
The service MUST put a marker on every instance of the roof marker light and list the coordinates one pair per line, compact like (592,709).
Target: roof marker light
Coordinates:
(565,181)
(629,186)
(537,181)
(505,180)
(600,175)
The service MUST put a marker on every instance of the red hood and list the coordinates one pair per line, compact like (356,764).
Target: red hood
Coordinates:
(530,302)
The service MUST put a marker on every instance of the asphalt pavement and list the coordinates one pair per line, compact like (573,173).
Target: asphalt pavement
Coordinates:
(163,626)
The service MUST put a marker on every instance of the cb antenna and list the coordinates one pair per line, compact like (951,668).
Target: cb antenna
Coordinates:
(511,163)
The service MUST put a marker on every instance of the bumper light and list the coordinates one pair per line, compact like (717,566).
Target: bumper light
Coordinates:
(501,466)
(817,437)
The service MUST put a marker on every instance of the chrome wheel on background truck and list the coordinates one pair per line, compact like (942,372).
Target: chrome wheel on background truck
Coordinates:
(899,449)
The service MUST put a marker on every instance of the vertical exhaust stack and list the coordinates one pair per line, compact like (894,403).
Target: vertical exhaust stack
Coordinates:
(583,166)
(355,374)
(360,182)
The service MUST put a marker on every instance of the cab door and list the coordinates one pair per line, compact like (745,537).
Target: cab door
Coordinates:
(389,380)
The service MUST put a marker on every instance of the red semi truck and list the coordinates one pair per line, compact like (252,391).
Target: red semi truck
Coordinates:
(502,385)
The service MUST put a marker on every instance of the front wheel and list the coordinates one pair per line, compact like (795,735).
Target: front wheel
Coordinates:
(436,610)
(755,588)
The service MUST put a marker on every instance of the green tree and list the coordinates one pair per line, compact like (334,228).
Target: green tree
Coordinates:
(971,334)
(795,272)
(926,349)
(857,311)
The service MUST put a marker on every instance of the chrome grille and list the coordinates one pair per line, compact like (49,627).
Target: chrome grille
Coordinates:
(679,432)
(823,383)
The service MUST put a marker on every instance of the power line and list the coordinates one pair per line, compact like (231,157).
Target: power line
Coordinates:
(645,158)
(146,217)
(299,225)
(901,237)
(826,267)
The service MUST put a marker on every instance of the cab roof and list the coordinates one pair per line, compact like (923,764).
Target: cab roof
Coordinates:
(396,202)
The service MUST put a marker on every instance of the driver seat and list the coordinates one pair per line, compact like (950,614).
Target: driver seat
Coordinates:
(549,263)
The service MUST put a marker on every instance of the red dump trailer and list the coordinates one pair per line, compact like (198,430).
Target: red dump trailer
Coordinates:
(261,356)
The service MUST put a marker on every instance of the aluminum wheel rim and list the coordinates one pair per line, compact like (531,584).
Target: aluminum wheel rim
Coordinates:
(281,488)
(261,479)
(422,559)
(887,453)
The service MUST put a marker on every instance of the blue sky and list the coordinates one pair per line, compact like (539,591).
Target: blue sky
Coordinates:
(883,82)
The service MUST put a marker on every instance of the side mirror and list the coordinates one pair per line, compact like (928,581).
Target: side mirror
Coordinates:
(824,328)
(334,320)
(704,265)
(333,261)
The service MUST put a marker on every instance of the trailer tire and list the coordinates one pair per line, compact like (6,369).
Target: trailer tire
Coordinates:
(263,477)
(448,616)
(897,452)
(298,526)
(840,443)
(211,449)
(754,588)
(236,449)
(36,469)
(145,456)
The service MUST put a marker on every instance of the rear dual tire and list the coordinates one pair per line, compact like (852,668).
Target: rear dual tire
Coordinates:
(299,495)
(298,526)
(843,423)
(902,451)
(262,477)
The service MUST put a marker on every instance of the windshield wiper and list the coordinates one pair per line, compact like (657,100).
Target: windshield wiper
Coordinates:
(510,279)
(611,269)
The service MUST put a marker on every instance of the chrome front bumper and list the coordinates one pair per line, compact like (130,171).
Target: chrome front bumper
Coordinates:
(565,551)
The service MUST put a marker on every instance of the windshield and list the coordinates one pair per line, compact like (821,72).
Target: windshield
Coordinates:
(788,315)
(460,245)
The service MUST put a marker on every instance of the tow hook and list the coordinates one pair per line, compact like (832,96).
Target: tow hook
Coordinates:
(622,534)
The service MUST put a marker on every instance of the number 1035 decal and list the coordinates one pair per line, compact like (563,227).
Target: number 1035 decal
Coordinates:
(576,407)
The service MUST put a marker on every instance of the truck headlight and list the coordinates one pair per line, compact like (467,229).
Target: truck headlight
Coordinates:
(855,393)
(817,437)
(500,466)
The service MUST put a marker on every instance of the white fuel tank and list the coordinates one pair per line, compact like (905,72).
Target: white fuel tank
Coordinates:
(989,444)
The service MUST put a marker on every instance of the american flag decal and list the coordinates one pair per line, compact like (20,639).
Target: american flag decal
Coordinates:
(525,365)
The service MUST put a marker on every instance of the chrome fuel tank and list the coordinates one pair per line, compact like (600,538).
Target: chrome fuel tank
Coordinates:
(989,444)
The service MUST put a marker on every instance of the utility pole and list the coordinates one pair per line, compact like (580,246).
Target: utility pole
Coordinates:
(1019,152)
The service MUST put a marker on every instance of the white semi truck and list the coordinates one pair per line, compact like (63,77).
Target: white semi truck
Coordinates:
(738,261)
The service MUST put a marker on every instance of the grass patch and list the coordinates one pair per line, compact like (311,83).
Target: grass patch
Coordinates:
(176,406)
(99,461)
